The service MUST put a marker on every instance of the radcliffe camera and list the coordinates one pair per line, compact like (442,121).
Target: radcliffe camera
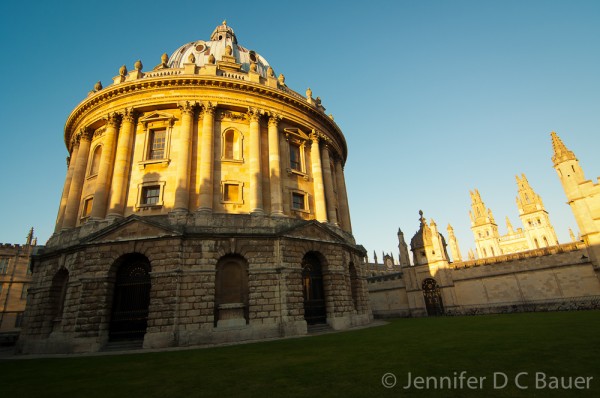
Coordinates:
(300,200)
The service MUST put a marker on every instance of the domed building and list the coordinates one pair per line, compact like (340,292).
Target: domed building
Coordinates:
(204,202)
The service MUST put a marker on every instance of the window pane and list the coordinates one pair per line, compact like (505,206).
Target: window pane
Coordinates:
(150,195)
(231,193)
(298,201)
(157,144)
(87,207)
(295,162)
(229,140)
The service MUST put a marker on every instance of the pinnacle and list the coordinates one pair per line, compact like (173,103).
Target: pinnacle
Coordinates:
(561,153)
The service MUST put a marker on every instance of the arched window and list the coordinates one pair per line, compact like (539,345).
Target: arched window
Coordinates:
(58,295)
(537,244)
(96,160)
(484,252)
(232,145)
(492,249)
(546,244)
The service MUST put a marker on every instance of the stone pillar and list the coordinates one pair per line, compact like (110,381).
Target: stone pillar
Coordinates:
(184,159)
(206,158)
(317,171)
(118,194)
(275,166)
(344,209)
(106,168)
(65,194)
(74,199)
(255,197)
(328,182)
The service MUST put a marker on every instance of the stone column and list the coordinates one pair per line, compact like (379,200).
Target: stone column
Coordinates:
(206,157)
(79,168)
(65,194)
(255,197)
(328,182)
(118,194)
(344,209)
(184,159)
(275,166)
(317,171)
(106,168)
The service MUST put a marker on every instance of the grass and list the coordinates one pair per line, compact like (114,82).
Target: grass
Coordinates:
(348,364)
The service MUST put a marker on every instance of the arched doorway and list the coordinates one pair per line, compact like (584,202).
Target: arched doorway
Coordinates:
(131,300)
(58,295)
(433,297)
(315,311)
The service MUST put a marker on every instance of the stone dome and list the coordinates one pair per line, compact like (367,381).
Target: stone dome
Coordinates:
(221,37)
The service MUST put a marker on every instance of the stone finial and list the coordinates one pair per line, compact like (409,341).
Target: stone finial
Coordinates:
(308,93)
(211,59)
(164,58)
(318,100)
(331,116)
(253,67)
(138,65)
(225,22)
(228,50)
(192,59)
(123,71)
(270,72)
(98,86)
(281,79)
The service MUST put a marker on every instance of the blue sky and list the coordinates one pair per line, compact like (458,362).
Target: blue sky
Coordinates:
(434,97)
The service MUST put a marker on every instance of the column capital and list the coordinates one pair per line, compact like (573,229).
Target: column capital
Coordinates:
(112,119)
(274,119)
(208,108)
(187,107)
(129,115)
(254,114)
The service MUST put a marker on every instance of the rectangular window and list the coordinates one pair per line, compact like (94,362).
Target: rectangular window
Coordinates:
(150,195)
(231,193)
(157,144)
(3,265)
(295,159)
(24,291)
(87,208)
(298,201)
(19,320)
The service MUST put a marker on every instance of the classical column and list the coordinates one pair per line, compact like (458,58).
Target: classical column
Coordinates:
(255,197)
(344,209)
(83,140)
(317,171)
(206,157)
(65,193)
(328,182)
(184,159)
(275,166)
(118,194)
(106,167)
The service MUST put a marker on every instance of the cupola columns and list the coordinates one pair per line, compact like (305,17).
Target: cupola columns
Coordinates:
(275,166)
(343,197)
(317,170)
(206,158)
(65,195)
(256,202)
(106,168)
(184,161)
(76,185)
(328,182)
(118,194)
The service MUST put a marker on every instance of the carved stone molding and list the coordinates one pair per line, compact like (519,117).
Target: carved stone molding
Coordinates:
(254,114)
(112,119)
(274,119)
(209,108)
(187,107)
(129,115)
(232,116)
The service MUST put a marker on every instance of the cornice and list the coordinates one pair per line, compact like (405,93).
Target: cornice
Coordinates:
(126,89)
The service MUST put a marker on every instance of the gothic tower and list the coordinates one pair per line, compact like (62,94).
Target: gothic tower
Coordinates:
(454,248)
(582,195)
(484,228)
(403,258)
(536,223)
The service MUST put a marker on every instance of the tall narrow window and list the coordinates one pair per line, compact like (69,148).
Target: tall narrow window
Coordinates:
(3,265)
(545,241)
(157,144)
(87,207)
(295,159)
(298,201)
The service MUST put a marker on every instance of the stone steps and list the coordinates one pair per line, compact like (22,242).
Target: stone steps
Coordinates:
(125,345)
(319,328)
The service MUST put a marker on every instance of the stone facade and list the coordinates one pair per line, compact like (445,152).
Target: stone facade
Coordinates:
(204,202)
(548,277)
(15,279)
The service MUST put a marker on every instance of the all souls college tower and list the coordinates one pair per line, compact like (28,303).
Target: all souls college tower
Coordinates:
(204,202)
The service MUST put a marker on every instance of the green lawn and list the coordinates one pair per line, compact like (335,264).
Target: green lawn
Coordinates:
(348,364)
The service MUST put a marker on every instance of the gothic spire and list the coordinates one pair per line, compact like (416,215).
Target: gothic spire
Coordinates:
(561,153)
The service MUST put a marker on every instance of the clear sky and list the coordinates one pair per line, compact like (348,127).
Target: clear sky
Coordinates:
(434,97)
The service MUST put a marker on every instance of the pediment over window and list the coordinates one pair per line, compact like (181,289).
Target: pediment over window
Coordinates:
(131,228)
(314,230)
(296,134)
(153,117)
